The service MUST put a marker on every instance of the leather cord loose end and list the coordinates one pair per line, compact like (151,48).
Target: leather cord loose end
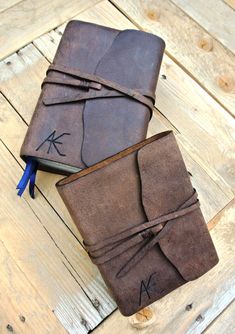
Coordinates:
(29,176)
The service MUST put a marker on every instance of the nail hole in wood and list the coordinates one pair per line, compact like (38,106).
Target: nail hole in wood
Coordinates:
(9,328)
(199,318)
(189,306)
(22,318)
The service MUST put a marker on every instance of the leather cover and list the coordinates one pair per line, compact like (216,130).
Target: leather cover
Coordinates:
(96,99)
(141,222)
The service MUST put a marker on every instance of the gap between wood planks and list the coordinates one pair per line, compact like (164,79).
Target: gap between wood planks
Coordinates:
(224,323)
(230,3)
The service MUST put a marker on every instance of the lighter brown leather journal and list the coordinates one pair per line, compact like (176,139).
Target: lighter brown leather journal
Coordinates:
(96,99)
(141,221)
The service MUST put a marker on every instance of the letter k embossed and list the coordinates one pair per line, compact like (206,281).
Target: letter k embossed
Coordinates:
(145,287)
(52,141)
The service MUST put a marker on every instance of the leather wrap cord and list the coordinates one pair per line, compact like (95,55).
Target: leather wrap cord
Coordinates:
(110,88)
(147,235)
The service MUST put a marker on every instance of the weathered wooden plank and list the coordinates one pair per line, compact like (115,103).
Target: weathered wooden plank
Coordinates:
(214,16)
(207,61)
(196,115)
(61,269)
(25,71)
(29,19)
(48,43)
(21,77)
(22,308)
(225,323)
(5,4)
(197,303)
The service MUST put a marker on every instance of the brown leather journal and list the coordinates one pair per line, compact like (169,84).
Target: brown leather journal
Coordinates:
(96,99)
(141,222)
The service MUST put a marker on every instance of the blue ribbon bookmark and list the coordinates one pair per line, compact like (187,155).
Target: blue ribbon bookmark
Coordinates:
(29,176)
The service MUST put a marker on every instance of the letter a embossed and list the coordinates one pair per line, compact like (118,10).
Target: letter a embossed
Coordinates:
(53,142)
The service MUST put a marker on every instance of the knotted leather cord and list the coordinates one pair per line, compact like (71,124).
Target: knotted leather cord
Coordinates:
(145,97)
(146,235)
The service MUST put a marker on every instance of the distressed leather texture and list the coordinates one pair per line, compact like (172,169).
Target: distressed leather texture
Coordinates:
(141,222)
(97,97)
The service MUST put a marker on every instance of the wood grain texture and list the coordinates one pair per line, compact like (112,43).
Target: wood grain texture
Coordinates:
(20,301)
(29,19)
(6,4)
(191,308)
(214,16)
(225,323)
(185,43)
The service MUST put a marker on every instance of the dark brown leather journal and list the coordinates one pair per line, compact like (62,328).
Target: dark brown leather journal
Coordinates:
(96,99)
(141,222)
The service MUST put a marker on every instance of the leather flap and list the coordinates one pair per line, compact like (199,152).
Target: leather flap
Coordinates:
(187,245)
(132,60)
